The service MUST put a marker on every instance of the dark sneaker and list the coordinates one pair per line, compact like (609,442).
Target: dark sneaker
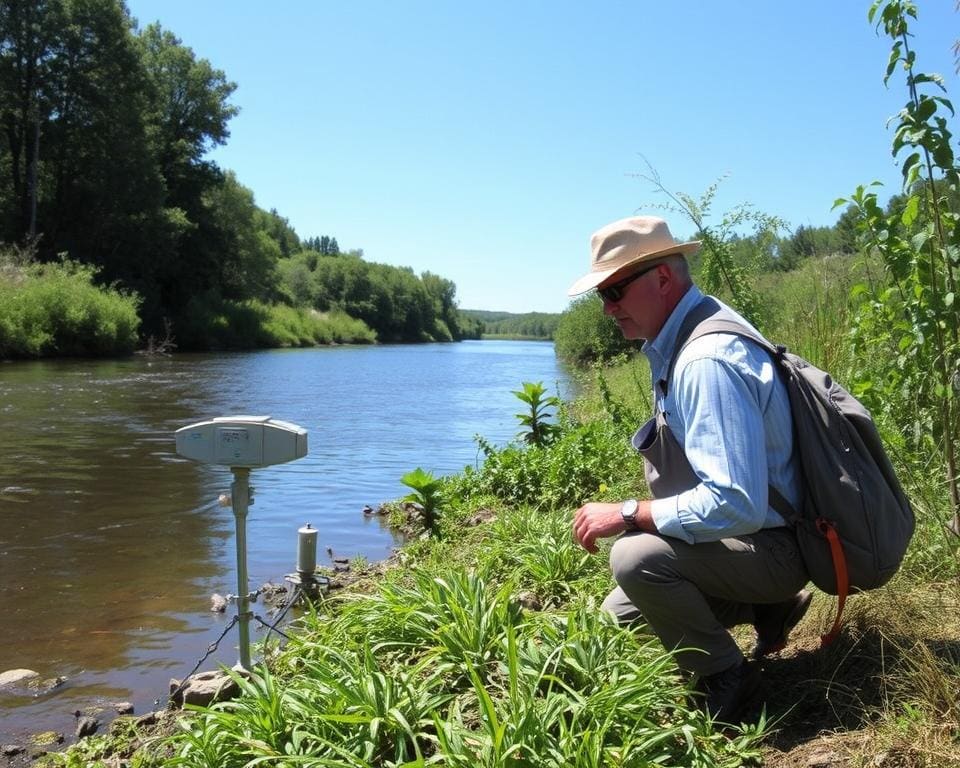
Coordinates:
(774,622)
(725,693)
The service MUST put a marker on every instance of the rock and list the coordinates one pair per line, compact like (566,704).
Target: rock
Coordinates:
(87,726)
(12,750)
(274,595)
(46,739)
(529,601)
(483,516)
(46,685)
(218,603)
(123,707)
(14,676)
(151,718)
(203,689)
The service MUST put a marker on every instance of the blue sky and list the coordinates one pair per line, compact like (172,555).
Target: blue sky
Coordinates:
(485,142)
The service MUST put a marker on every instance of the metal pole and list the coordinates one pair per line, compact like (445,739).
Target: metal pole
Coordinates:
(240,492)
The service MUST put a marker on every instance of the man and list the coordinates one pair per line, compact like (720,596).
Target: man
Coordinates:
(707,552)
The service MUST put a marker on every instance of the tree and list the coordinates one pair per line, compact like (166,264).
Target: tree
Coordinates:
(912,314)
(244,251)
(279,230)
(188,111)
(29,41)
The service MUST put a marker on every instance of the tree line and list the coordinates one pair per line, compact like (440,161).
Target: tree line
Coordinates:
(105,130)
(523,325)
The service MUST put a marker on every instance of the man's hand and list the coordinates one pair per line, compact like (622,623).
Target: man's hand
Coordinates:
(597,520)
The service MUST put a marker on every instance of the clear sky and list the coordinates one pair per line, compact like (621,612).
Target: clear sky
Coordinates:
(485,141)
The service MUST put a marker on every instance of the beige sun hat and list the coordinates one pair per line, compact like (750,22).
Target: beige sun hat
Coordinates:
(625,243)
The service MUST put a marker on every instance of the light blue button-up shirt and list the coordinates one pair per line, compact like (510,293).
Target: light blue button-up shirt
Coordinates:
(731,414)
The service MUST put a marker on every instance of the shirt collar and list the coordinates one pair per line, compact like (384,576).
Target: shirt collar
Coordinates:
(659,349)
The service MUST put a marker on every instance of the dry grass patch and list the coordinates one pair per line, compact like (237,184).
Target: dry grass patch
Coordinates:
(886,694)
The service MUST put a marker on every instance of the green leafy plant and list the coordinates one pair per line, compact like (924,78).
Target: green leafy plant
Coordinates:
(426,493)
(722,269)
(910,312)
(580,460)
(58,309)
(538,431)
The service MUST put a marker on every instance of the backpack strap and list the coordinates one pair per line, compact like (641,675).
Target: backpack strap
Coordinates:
(702,320)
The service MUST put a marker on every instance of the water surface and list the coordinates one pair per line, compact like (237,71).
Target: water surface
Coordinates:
(111,544)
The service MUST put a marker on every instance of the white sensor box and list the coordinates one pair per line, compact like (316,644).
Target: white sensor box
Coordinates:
(242,441)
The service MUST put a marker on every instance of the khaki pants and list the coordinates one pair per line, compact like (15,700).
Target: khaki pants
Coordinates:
(689,594)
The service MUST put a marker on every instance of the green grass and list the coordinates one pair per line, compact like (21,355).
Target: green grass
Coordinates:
(451,671)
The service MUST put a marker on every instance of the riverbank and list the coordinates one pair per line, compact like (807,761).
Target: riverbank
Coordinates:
(853,704)
(485,646)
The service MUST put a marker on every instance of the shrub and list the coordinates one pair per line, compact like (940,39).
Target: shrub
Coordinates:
(211,322)
(583,461)
(56,309)
(585,334)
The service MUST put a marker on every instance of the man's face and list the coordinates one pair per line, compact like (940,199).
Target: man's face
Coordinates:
(639,308)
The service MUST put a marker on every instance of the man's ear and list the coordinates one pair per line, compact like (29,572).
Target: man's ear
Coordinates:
(665,277)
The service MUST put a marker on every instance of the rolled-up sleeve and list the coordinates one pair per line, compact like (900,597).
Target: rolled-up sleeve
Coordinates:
(723,439)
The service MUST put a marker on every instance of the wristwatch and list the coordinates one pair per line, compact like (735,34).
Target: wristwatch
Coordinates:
(628,511)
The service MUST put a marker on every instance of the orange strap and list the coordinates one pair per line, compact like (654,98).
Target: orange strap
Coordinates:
(827,528)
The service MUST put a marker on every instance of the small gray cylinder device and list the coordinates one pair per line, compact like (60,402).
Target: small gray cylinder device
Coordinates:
(306,551)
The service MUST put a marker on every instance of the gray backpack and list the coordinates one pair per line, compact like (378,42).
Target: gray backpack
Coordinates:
(855,522)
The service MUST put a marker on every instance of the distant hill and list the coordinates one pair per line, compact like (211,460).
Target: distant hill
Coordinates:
(515,325)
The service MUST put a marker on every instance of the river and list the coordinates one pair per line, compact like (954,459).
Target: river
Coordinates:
(111,544)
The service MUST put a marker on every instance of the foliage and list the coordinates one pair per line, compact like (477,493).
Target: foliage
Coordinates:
(449,669)
(526,325)
(585,334)
(426,493)
(581,460)
(907,323)
(721,270)
(324,245)
(809,308)
(211,322)
(104,157)
(394,302)
(811,242)
(537,553)
(538,431)
(56,309)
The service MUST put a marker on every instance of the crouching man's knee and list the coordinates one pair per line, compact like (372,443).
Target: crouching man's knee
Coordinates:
(640,557)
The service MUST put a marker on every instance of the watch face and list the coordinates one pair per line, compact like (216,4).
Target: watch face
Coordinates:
(629,510)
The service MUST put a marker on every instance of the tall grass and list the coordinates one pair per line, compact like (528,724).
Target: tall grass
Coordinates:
(809,310)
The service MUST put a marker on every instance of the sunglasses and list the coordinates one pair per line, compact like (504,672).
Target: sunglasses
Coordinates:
(614,292)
